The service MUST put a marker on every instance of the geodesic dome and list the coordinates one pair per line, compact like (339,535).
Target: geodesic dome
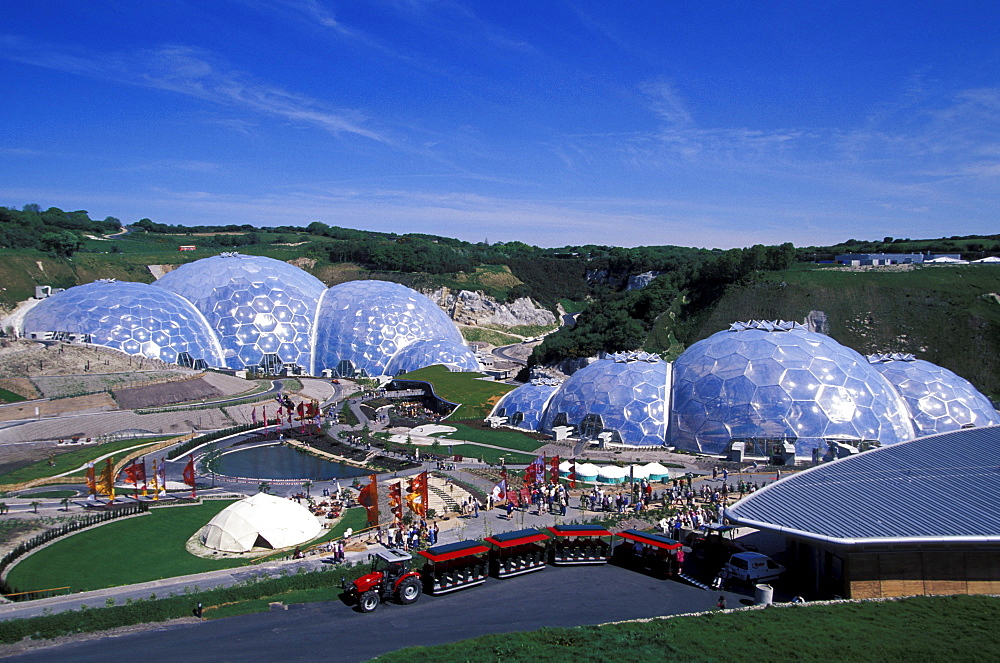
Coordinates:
(135,318)
(765,382)
(939,401)
(262,520)
(366,323)
(257,306)
(525,405)
(624,395)
(455,356)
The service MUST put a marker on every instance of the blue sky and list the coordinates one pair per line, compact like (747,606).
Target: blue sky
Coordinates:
(692,122)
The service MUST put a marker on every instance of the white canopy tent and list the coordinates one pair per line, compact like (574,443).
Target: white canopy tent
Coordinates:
(261,520)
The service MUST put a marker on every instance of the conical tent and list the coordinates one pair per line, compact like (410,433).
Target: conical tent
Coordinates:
(261,520)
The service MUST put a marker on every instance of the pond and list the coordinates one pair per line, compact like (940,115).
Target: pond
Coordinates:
(275,461)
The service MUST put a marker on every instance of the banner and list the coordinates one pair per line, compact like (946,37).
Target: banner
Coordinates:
(512,498)
(106,482)
(156,483)
(368,498)
(91,479)
(500,491)
(535,472)
(417,496)
(554,470)
(572,475)
(189,475)
(396,501)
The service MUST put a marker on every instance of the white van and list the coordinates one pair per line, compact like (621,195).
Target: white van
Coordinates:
(751,568)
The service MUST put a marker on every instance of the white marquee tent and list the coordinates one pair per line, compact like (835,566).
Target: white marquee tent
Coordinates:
(261,520)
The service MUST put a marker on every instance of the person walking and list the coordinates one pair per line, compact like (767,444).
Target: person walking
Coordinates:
(721,605)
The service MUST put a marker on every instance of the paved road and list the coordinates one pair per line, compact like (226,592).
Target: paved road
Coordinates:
(554,597)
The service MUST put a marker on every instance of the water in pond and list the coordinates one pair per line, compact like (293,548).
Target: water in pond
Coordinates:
(280,462)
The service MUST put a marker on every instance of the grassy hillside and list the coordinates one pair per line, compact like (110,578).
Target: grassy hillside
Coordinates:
(946,315)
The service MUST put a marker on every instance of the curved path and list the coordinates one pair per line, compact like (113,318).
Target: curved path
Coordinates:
(554,597)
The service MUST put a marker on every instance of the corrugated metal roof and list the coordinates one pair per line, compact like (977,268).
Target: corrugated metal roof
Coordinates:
(935,488)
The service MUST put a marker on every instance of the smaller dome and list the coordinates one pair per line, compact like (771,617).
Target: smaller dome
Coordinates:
(939,401)
(457,357)
(263,521)
(525,406)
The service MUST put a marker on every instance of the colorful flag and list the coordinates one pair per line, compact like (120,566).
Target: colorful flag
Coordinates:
(253,414)
(189,475)
(156,483)
(416,498)
(396,501)
(106,482)
(163,476)
(525,495)
(500,491)
(91,479)
(535,473)
(554,469)
(512,498)
(368,498)
(572,474)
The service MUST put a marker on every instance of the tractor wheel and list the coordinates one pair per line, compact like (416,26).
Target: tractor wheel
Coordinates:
(409,591)
(369,601)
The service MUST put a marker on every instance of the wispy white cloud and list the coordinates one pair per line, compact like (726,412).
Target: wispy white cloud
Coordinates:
(194,73)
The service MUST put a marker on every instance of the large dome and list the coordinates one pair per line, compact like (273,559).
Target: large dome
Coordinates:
(366,323)
(939,401)
(525,406)
(257,306)
(765,382)
(624,394)
(135,318)
(263,521)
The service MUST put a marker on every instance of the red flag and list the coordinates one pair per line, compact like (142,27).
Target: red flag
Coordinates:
(535,473)
(189,474)
(253,414)
(301,409)
(512,497)
(525,495)
(572,474)
(554,469)
(416,498)
(368,498)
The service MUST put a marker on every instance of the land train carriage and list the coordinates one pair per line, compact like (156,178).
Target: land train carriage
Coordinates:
(454,566)
(579,544)
(654,554)
(516,553)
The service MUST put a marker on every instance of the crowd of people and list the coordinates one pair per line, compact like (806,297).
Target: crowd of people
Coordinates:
(418,534)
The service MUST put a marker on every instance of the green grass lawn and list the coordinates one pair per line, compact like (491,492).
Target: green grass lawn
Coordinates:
(476,396)
(10,397)
(490,455)
(132,550)
(50,494)
(499,438)
(73,459)
(953,628)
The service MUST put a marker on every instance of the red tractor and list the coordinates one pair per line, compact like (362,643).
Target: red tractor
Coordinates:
(390,577)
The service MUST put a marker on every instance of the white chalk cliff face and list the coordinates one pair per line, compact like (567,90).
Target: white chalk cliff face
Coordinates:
(475,308)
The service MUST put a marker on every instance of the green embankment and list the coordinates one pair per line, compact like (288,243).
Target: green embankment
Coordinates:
(476,396)
(74,459)
(946,315)
(953,628)
(499,438)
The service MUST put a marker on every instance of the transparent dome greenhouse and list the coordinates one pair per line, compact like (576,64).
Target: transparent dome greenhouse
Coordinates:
(362,325)
(939,401)
(767,382)
(257,306)
(525,405)
(135,318)
(622,397)
(250,312)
